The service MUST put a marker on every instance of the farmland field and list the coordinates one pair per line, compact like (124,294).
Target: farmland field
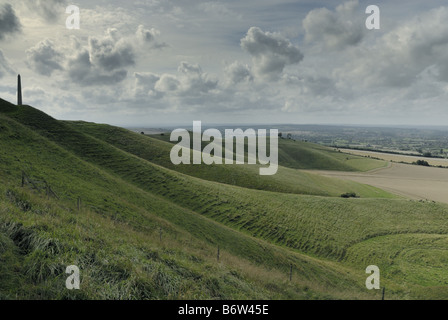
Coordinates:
(396,157)
(410,181)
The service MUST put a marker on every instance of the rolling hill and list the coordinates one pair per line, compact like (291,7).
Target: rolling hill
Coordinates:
(146,229)
(156,149)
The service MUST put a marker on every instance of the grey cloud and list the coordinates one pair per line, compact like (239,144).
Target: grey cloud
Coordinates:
(188,68)
(9,22)
(191,86)
(237,72)
(320,86)
(218,10)
(145,83)
(400,57)
(44,58)
(5,67)
(194,81)
(270,52)
(84,73)
(111,52)
(49,10)
(335,29)
(167,83)
(104,61)
(146,35)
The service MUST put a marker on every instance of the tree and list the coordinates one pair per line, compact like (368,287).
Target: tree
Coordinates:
(422,163)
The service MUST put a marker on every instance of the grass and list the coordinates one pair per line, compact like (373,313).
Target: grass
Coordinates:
(303,155)
(118,215)
(287,180)
(129,193)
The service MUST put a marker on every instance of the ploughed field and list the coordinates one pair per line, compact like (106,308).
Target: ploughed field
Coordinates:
(409,181)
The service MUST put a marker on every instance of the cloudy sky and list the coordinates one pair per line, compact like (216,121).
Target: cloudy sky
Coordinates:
(161,62)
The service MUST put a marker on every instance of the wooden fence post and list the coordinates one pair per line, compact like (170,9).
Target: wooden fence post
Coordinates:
(217,257)
(384,289)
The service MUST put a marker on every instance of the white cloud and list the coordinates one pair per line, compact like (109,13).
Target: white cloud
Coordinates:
(398,58)
(270,52)
(237,72)
(335,29)
(44,57)
(48,10)
(167,83)
(111,52)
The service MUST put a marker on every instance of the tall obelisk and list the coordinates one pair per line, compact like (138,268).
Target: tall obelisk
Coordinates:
(19,91)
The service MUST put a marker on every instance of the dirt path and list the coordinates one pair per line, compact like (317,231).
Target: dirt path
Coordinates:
(410,181)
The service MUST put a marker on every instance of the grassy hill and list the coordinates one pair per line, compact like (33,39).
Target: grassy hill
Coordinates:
(148,230)
(303,155)
(156,150)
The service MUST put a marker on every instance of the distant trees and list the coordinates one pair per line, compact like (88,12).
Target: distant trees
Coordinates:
(421,163)
(349,195)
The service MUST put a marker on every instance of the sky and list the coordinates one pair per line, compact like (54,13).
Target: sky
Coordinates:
(154,63)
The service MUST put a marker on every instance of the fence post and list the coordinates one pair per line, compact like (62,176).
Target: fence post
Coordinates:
(23,179)
(384,289)
(217,257)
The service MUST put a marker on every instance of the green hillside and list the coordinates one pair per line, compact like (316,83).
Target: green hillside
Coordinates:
(145,230)
(304,155)
(156,150)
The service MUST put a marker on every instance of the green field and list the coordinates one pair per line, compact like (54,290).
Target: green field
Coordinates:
(147,229)
(303,155)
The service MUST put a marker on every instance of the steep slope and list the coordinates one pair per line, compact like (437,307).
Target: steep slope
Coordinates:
(327,240)
(115,238)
